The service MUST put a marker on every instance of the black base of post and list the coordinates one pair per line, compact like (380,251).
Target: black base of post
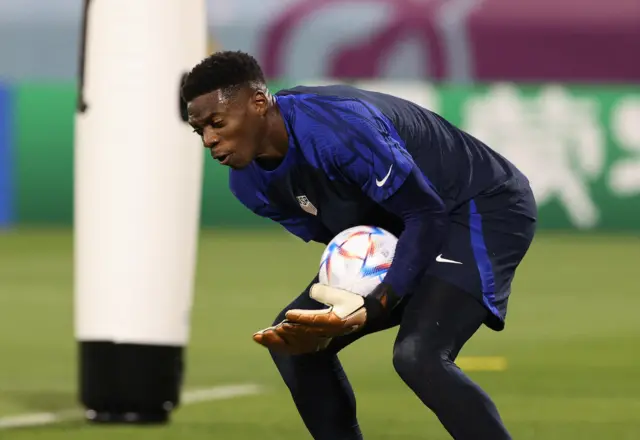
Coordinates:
(129,383)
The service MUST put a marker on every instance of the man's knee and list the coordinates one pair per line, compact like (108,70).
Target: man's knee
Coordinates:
(419,366)
(299,371)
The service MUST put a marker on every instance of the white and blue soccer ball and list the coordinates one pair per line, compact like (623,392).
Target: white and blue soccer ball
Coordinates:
(357,259)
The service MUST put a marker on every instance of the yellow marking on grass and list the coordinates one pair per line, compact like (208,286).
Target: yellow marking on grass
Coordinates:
(482,363)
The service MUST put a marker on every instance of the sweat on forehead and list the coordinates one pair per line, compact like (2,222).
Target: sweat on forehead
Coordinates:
(215,101)
(226,97)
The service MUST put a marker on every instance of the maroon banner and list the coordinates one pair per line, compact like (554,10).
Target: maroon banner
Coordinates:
(486,40)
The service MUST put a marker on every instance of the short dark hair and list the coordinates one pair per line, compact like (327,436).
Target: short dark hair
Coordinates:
(227,70)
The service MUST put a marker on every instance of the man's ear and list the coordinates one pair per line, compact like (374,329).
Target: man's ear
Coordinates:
(260,102)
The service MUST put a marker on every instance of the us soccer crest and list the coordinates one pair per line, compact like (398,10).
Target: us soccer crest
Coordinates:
(306,205)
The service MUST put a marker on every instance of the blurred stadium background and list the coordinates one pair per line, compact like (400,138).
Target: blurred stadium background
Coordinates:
(555,86)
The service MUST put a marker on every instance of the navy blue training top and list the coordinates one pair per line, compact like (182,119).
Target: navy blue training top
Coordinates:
(358,157)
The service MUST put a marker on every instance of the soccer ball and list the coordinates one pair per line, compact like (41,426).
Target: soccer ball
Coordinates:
(357,259)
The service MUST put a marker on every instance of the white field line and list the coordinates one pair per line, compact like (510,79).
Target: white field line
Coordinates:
(188,398)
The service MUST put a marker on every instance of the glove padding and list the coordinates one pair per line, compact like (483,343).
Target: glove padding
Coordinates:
(308,331)
(287,338)
(347,311)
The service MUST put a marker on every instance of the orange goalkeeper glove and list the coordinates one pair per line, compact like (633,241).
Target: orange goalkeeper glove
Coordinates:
(307,331)
(347,311)
(288,338)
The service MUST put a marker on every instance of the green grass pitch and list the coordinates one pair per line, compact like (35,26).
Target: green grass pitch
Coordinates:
(572,343)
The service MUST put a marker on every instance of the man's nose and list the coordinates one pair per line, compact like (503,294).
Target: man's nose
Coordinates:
(210,139)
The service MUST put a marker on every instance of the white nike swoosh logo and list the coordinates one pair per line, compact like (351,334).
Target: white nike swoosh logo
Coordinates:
(439,259)
(381,182)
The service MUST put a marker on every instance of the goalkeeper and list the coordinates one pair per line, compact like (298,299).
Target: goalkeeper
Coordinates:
(319,160)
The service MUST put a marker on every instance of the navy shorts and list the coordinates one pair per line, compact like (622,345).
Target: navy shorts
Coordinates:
(488,238)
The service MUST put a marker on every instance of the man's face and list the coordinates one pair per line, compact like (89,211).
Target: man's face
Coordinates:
(232,126)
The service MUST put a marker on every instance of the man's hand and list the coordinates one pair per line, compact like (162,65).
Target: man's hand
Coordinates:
(347,311)
(309,331)
(289,339)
